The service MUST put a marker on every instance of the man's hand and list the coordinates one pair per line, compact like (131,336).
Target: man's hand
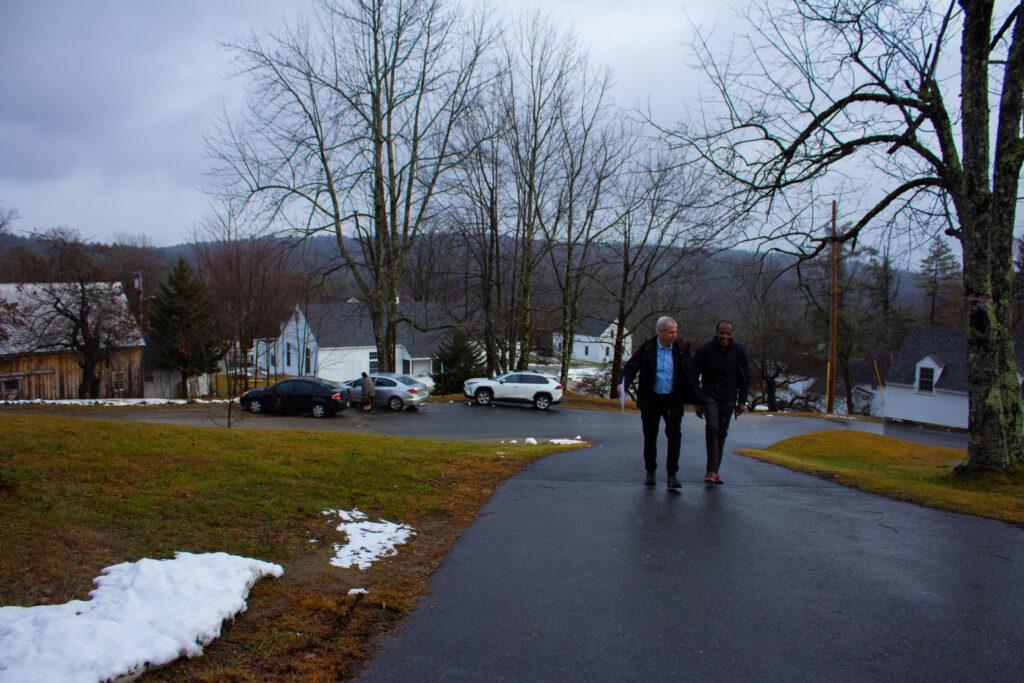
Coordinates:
(740,407)
(699,409)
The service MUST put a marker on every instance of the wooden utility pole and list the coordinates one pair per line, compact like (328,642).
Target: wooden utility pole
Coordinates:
(830,386)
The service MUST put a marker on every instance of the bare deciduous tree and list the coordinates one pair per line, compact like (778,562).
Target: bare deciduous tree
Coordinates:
(76,309)
(843,85)
(350,129)
(250,282)
(540,65)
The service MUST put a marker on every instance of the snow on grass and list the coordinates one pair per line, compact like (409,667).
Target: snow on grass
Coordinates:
(577,374)
(117,402)
(530,441)
(367,541)
(357,591)
(142,614)
(564,442)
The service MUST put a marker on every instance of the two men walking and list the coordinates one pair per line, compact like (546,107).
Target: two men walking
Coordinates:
(715,380)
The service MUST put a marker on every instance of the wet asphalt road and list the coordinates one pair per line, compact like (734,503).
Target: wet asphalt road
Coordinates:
(575,571)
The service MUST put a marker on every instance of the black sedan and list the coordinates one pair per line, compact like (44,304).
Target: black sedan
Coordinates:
(306,395)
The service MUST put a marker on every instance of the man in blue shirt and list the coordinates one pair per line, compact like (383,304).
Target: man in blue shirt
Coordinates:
(667,382)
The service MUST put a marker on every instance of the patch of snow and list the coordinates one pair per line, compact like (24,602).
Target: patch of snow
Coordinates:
(512,441)
(141,615)
(530,441)
(577,374)
(116,402)
(562,442)
(368,541)
(358,591)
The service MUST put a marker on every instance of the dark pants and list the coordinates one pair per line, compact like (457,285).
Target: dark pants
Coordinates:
(717,417)
(667,407)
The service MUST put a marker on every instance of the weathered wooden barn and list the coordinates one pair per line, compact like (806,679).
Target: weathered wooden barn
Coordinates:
(37,358)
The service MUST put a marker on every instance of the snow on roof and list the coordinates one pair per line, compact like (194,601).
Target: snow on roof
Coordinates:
(142,614)
(37,328)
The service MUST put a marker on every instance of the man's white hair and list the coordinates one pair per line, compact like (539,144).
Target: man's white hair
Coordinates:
(663,322)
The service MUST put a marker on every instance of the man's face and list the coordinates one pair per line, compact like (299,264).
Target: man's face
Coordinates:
(668,334)
(723,335)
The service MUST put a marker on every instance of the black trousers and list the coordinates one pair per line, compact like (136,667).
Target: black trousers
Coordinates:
(662,407)
(717,417)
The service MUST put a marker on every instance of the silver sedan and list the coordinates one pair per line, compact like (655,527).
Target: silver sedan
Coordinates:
(391,389)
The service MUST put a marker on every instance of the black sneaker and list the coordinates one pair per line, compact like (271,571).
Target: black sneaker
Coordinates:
(649,479)
(673,483)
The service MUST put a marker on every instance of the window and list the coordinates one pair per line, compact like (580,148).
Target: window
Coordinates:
(586,350)
(309,359)
(117,382)
(287,354)
(383,382)
(406,365)
(11,389)
(607,352)
(374,365)
(925,379)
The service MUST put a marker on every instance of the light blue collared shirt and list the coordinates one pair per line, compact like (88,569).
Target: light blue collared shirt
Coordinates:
(663,375)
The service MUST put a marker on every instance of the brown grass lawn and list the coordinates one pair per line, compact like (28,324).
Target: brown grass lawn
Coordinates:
(900,469)
(79,495)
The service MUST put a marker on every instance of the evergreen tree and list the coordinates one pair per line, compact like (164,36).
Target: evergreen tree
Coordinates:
(461,360)
(182,327)
(940,273)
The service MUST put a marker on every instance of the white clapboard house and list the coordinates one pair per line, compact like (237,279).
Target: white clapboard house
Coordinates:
(293,351)
(347,345)
(593,342)
(928,378)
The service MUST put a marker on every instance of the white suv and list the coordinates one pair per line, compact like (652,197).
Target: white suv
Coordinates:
(515,387)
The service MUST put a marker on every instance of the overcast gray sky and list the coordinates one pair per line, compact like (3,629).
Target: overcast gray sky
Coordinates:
(104,104)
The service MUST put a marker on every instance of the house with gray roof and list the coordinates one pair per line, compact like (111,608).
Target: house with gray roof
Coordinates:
(593,342)
(348,348)
(927,381)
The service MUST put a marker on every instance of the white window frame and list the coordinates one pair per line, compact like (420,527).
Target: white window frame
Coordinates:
(930,380)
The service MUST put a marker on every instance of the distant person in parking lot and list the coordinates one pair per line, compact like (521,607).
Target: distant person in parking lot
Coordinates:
(667,382)
(367,392)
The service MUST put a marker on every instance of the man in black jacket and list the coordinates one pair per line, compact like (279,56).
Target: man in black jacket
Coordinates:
(667,381)
(725,380)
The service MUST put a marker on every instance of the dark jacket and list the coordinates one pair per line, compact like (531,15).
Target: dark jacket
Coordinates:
(644,362)
(724,371)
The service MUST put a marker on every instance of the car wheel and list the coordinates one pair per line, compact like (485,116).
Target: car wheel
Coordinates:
(255,406)
(484,396)
(542,401)
(319,410)
(395,403)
